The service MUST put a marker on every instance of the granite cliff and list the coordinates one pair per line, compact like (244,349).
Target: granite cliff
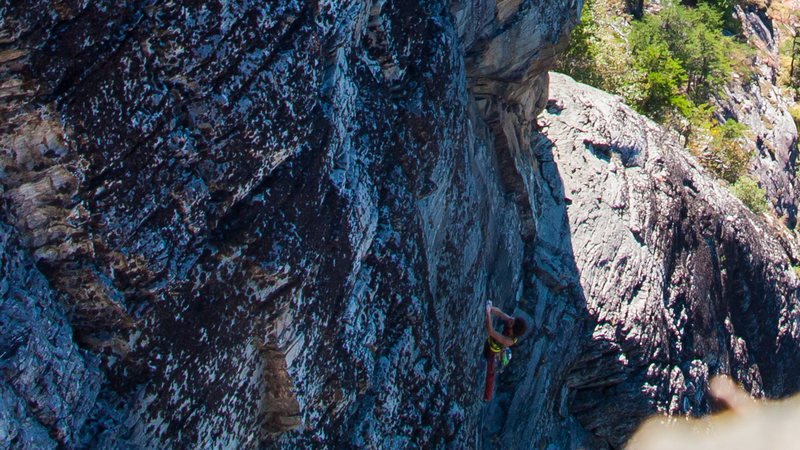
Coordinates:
(757,102)
(236,224)
(681,280)
(262,218)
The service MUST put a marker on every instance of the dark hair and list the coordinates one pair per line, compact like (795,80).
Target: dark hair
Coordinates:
(519,327)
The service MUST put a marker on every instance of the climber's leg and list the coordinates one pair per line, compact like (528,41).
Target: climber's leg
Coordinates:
(488,389)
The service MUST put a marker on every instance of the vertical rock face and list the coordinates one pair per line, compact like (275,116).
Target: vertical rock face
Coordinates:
(48,387)
(681,280)
(278,223)
(758,103)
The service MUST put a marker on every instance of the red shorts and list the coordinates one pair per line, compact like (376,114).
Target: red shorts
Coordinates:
(491,365)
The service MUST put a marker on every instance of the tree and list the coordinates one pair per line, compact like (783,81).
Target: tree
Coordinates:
(753,196)
(794,76)
(598,53)
(665,76)
(727,155)
(689,49)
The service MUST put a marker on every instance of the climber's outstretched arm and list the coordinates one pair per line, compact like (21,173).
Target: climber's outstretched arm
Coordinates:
(499,312)
(499,338)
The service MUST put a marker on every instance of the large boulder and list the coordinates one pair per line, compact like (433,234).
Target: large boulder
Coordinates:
(681,280)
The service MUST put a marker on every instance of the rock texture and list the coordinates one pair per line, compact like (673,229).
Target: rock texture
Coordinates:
(681,280)
(287,216)
(276,224)
(48,387)
(757,102)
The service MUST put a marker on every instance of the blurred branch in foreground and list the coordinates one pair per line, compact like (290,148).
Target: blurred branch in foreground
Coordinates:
(745,424)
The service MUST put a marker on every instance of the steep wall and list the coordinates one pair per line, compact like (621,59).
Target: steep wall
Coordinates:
(757,101)
(48,387)
(287,216)
(681,280)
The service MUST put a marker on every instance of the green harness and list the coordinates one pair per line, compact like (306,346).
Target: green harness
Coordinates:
(503,354)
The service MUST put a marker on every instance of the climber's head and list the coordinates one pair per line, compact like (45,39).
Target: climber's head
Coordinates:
(519,327)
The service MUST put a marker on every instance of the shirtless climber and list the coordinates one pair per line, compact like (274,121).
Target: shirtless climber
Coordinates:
(513,329)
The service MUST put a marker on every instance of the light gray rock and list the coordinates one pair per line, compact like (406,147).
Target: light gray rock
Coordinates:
(757,102)
(681,280)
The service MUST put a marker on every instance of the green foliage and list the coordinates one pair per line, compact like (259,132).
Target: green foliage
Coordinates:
(699,116)
(668,66)
(748,191)
(598,53)
(665,76)
(727,154)
(788,48)
(579,59)
(720,147)
(681,49)
(725,7)
(694,122)
(794,110)
(661,65)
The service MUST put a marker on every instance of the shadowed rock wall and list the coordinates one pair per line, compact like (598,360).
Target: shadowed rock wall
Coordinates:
(288,216)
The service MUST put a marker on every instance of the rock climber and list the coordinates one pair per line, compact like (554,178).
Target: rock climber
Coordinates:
(513,329)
